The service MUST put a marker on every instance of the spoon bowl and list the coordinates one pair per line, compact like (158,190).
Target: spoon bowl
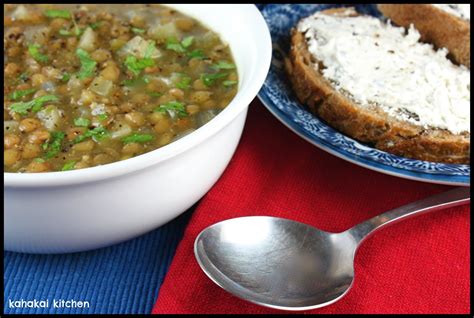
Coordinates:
(277,262)
(288,265)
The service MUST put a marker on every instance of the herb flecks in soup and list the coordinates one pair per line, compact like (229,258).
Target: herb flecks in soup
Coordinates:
(87,85)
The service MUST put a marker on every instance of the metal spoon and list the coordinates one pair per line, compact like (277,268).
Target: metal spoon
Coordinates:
(289,265)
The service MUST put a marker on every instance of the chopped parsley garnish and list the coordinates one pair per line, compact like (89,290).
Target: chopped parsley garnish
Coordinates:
(66,77)
(95,25)
(64,32)
(68,166)
(82,122)
(39,160)
(180,47)
(136,65)
(196,54)
(102,116)
(87,64)
(149,49)
(187,41)
(173,45)
(173,108)
(34,50)
(21,93)
(184,83)
(97,134)
(229,83)
(53,145)
(35,105)
(138,30)
(78,31)
(136,81)
(209,79)
(140,138)
(65,14)
(223,65)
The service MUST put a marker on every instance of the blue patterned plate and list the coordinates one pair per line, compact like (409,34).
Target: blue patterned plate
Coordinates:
(277,96)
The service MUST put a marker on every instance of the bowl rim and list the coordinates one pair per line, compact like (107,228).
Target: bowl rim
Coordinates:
(247,91)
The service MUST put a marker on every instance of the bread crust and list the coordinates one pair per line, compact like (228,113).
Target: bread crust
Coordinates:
(369,125)
(453,33)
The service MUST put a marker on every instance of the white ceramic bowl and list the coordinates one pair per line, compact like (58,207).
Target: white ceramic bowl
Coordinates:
(72,211)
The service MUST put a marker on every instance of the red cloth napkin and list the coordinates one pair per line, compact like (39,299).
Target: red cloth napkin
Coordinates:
(420,265)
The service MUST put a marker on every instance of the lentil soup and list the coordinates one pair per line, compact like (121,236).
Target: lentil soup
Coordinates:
(87,85)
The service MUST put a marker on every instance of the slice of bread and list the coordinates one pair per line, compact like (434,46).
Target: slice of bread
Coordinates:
(436,26)
(372,124)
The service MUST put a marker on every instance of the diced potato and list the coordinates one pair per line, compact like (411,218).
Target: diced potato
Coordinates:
(101,86)
(120,130)
(87,97)
(21,13)
(97,109)
(208,40)
(88,40)
(74,85)
(161,32)
(50,117)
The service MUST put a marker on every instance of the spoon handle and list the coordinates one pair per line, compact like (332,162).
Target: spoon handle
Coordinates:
(439,201)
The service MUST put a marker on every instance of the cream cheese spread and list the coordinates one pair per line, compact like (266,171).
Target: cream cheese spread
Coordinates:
(375,63)
(462,11)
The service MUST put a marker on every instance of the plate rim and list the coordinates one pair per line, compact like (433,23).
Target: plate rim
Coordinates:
(402,173)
